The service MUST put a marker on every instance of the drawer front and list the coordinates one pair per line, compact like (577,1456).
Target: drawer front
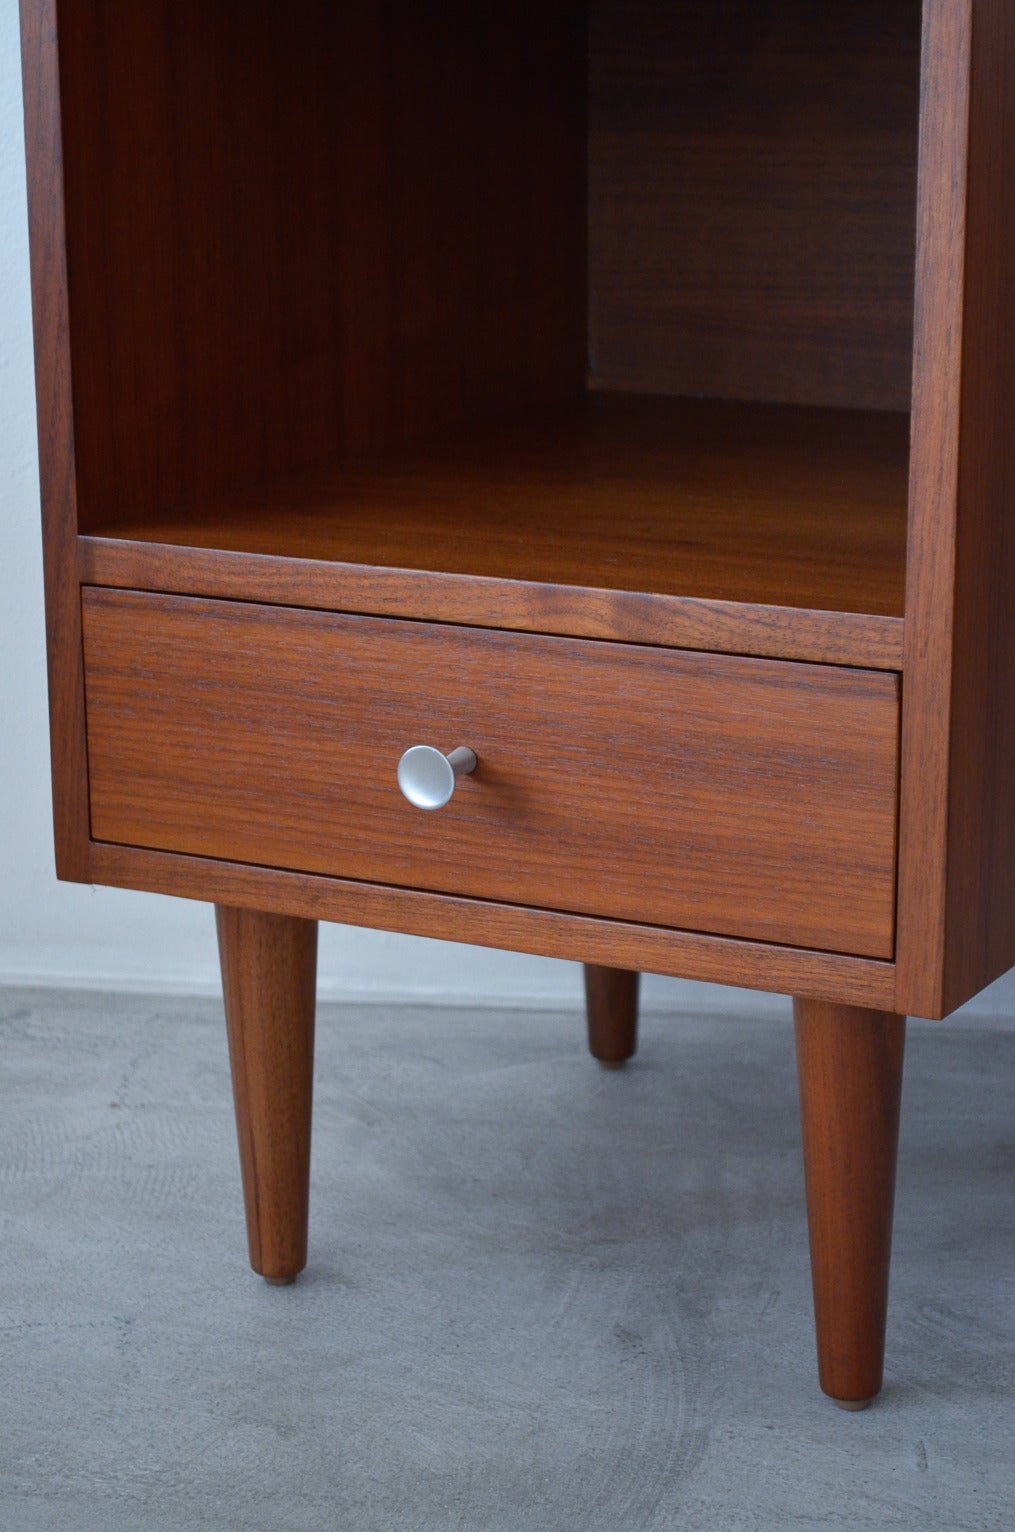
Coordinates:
(745,797)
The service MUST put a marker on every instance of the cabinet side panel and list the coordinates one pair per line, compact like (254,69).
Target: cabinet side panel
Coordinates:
(980,914)
(933,492)
(56,435)
(957,841)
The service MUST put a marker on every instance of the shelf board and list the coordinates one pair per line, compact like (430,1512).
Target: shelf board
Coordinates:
(756,528)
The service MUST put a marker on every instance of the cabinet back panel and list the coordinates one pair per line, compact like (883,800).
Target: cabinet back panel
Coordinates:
(753,198)
(297,231)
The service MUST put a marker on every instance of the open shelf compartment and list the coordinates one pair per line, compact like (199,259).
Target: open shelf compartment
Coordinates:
(606,308)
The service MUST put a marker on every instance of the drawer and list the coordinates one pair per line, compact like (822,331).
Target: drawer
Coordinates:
(746,797)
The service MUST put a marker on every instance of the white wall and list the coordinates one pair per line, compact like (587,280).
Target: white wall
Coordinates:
(65,933)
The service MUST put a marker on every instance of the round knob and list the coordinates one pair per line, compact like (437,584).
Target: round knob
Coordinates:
(427,777)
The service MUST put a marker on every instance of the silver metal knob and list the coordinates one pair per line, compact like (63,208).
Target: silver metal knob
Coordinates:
(427,777)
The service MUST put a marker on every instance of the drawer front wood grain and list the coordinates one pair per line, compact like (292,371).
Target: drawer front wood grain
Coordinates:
(744,797)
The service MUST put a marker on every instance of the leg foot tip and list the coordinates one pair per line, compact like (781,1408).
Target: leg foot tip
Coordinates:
(854,1404)
(612,1063)
(280,1281)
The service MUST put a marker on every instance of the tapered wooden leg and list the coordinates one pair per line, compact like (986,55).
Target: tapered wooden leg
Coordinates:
(611,1004)
(850,1068)
(269,978)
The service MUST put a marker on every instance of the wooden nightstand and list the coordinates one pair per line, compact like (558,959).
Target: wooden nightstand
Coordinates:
(541,381)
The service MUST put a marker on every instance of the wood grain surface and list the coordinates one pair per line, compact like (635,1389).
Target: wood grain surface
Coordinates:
(850,1069)
(548,933)
(746,797)
(527,606)
(611,1008)
(57,472)
(724,503)
(298,231)
(957,867)
(752,198)
(269,983)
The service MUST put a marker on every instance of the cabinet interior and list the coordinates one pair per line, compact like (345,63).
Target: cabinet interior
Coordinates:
(616,295)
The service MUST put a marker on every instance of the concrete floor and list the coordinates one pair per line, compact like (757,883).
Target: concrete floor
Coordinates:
(539,1296)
